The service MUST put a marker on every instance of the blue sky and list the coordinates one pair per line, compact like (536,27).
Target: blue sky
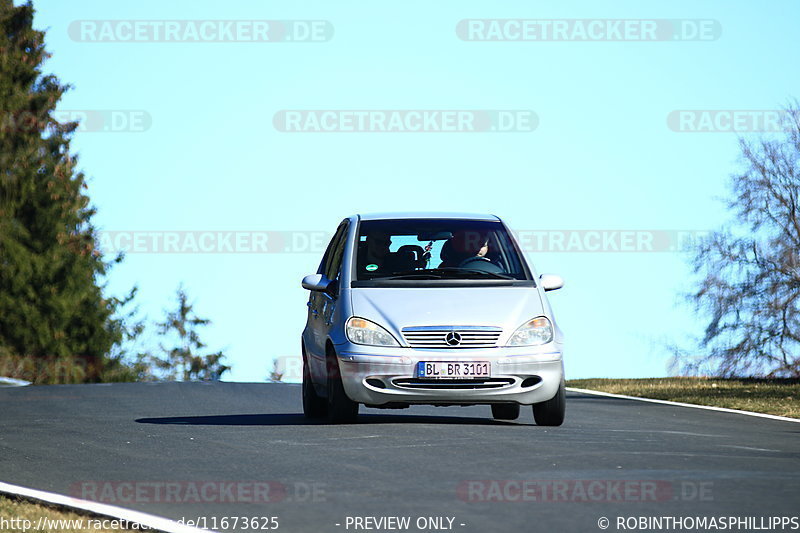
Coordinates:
(601,158)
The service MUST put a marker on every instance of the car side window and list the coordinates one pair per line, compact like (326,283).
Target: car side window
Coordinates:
(328,255)
(334,263)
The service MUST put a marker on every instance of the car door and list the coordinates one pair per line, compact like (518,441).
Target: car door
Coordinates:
(321,305)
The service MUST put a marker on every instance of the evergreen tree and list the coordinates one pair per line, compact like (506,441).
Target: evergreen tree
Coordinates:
(183,360)
(51,304)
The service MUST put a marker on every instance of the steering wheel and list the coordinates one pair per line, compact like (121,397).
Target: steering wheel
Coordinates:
(477,262)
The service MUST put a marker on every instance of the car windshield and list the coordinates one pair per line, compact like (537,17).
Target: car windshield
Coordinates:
(431,249)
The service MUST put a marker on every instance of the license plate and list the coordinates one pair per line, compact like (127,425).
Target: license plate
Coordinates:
(453,370)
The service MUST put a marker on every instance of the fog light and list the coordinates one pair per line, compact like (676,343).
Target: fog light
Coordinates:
(531,381)
(375,382)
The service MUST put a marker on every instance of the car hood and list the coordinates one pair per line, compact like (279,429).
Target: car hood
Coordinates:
(398,308)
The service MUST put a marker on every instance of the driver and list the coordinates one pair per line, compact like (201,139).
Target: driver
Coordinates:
(482,245)
(462,246)
(468,250)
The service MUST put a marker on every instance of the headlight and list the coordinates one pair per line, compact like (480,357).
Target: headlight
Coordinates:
(362,331)
(532,333)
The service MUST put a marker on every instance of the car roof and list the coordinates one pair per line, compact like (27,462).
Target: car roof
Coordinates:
(426,214)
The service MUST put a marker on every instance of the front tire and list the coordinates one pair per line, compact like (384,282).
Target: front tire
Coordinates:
(505,411)
(313,405)
(551,412)
(341,409)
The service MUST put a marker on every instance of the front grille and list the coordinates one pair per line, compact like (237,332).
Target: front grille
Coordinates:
(452,337)
(472,384)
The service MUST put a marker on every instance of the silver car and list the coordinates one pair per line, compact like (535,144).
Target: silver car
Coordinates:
(430,308)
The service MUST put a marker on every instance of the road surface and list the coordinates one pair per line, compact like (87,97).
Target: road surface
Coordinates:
(194,450)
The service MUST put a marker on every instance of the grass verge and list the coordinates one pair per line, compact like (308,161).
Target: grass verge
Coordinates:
(772,396)
(19,515)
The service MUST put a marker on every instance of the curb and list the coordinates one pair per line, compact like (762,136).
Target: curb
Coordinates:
(151,521)
(681,404)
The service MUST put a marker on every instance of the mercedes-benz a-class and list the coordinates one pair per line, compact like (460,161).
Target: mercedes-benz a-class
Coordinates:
(426,308)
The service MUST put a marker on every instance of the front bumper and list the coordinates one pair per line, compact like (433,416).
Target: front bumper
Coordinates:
(379,376)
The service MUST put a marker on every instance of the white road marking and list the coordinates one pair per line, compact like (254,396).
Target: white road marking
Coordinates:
(11,382)
(668,432)
(748,448)
(152,521)
(681,404)
(353,438)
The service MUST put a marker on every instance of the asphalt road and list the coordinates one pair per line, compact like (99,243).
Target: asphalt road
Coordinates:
(126,444)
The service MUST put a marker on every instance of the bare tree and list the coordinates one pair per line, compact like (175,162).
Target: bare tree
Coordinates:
(750,273)
(276,375)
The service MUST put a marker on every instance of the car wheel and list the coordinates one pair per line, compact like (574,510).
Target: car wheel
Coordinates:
(505,411)
(341,409)
(551,412)
(313,405)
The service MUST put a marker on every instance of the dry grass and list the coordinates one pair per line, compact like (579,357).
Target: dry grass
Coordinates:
(14,512)
(771,396)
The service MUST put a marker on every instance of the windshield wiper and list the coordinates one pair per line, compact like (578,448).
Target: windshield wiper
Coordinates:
(412,274)
(485,273)
(444,273)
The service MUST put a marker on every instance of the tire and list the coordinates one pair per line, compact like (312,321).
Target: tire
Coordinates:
(341,409)
(505,411)
(313,405)
(551,412)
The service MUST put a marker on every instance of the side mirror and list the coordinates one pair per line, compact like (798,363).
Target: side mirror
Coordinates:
(551,282)
(316,282)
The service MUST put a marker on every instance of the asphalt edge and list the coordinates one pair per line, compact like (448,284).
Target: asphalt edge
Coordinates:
(69,503)
(681,404)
